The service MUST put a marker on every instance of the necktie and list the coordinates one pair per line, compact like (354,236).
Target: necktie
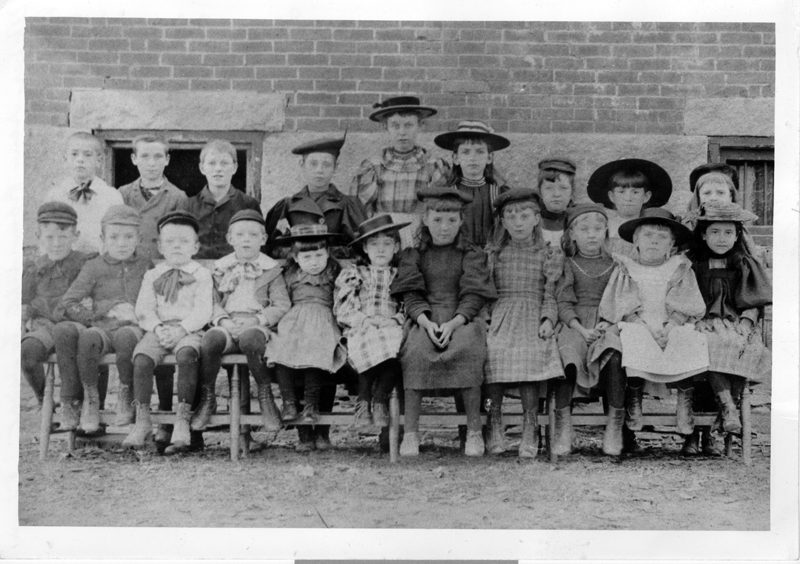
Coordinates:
(82,191)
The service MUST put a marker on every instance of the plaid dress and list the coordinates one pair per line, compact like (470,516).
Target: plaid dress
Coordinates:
(362,292)
(525,275)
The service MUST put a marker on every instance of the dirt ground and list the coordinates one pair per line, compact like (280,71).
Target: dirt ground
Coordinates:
(354,485)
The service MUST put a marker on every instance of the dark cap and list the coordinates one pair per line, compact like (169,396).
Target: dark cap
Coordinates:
(179,217)
(400,104)
(327,145)
(725,169)
(472,130)
(578,210)
(655,216)
(246,215)
(378,224)
(561,164)
(121,215)
(660,183)
(304,211)
(516,195)
(443,191)
(57,212)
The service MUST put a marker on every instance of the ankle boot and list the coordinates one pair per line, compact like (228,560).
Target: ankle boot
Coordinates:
(207,408)
(691,445)
(163,434)
(305,439)
(181,432)
(410,445)
(90,411)
(683,411)
(143,428)
(474,445)
(629,442)
(709,446)
(528,445)
(380,414)
(322,437)
(730,415)
(70,415)
(563,443)
(497,441)
(124,406)
(612,438)
(270,415)
(633,407)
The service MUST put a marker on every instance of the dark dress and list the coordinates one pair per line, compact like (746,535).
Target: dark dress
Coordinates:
(442,282)
(479,214)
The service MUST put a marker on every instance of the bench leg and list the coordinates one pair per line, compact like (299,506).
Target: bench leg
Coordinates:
(47,412)
(394,426)
(746,425)
(728,444)
(551,423)
(235,413)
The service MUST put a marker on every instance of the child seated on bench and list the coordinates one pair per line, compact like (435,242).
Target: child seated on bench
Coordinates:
(174,304)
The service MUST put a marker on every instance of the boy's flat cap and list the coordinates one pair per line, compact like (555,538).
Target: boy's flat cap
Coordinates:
(561,164)
(516,195)
(57,212)
(578,210)
(246,215)
(443,191)
(180,217)
(121,215)
(327,145)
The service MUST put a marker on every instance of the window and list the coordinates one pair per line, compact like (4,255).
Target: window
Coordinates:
(185,146)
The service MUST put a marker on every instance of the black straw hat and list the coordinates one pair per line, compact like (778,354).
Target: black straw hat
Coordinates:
(400,104)
(378,224)
(656,216)
(327,145)
(660,182)
(472,130)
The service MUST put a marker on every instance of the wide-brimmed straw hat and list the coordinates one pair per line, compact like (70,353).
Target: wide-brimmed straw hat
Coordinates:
(400,104)
(660,182)
(472,130)
(379,224)
(655,216)
(724,211)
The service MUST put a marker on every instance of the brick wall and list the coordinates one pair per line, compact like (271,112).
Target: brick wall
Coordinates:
(525,77)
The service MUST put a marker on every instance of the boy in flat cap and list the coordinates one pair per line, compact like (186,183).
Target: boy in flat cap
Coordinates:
(389,183)
(214,206)
(252,298)
(342,213)
(174,304)
(86,192)
(556,187)
(111,281)
(44,281)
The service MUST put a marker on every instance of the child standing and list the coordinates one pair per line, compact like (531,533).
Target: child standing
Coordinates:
(590,354)
(112,282)
(444,283)
(174,304)
(473,145)
(626,187)
(370,316)
(215,204)
(390,183)
(556,185)
(44,281)
(735,288)
(252,299)
(342,213)
(654,299)
(306,349)
(521,345)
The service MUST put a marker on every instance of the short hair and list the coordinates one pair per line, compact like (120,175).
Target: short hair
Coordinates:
(86,136)
(553,175)
(656,226)
(402,113)
(310,245)
(151,138)
(446,204)
(61,226)
(715,177)
(629,178)
(263,228)
(221,146)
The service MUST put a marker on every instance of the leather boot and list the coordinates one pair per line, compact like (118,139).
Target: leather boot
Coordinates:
(563,443)
(708,445)
(90,411)
(730,415)
(474,445)
(691,445)
(305,439)
(125,410)
(270,415)
(528,445)
(204,411)
(629,442)
(612,437)
(181,432)
(683,411)
(322,437)
(70,415)
(633,407)
(362,418)
(143,428)
(163,434)
(288,411)
(496,443)
(410,445)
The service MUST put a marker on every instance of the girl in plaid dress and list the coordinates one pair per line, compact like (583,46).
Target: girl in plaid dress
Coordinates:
(735,288)
(522,350)
(370,317)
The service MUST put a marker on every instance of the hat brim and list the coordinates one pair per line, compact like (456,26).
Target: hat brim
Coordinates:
(660,182)
(422,111)
(493,141)
(680,231)
(381,229)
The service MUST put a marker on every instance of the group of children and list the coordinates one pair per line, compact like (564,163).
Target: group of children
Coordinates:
(452,283)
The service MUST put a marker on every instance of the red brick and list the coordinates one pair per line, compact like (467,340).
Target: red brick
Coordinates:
(209,84)
(362,72)
(289,84)
(225,33)
(465,86)
(98,57)
(56,56)
(335,85)
(210,22)
(303,111)
(294,46)
(167,21)
(150,72)
(353,98)
(185,33)
(59,43)
(466,112)
(529,126)
(376,47)
(522,35)
(251,46)
(317,124)
(351,60)
(353,34)
(421,47)
(420,86)
(182,59)
(276,72)
(653,37)
(334,23)
(737,64)
(47,106)
(437,60)
(480,35)
(250,84)
(124,83)
(465,47)
(393,60)
(606,63)
(402,34)
(60,20)
(378,85)
(192,72)
(319,72)
(143,32)
(267,33)
(498,73)
(659,103)
(83,81)
(109,44)
(335,47)
(223,60)
(696,38)
(167,84)
(768,38)
(766,65)
(768,27)
(139,58)
(310,33)
(97,31)
(718,26)
(47,30)
(587,50)
(638,89)
(341,111)
(319,98)
(749,77)
(723,91)
(108,70)
(210,46)
(740,38)
(264,59)
(532,75)
(633,50)
(378,23)
(164,45)
(307,59)
(649,64)
(574,76)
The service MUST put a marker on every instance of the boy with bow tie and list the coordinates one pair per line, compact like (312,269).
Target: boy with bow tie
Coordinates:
(174,304)
(86,192)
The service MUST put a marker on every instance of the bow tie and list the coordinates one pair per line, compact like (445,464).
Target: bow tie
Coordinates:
(170,282)
(82,190)
(240,271)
